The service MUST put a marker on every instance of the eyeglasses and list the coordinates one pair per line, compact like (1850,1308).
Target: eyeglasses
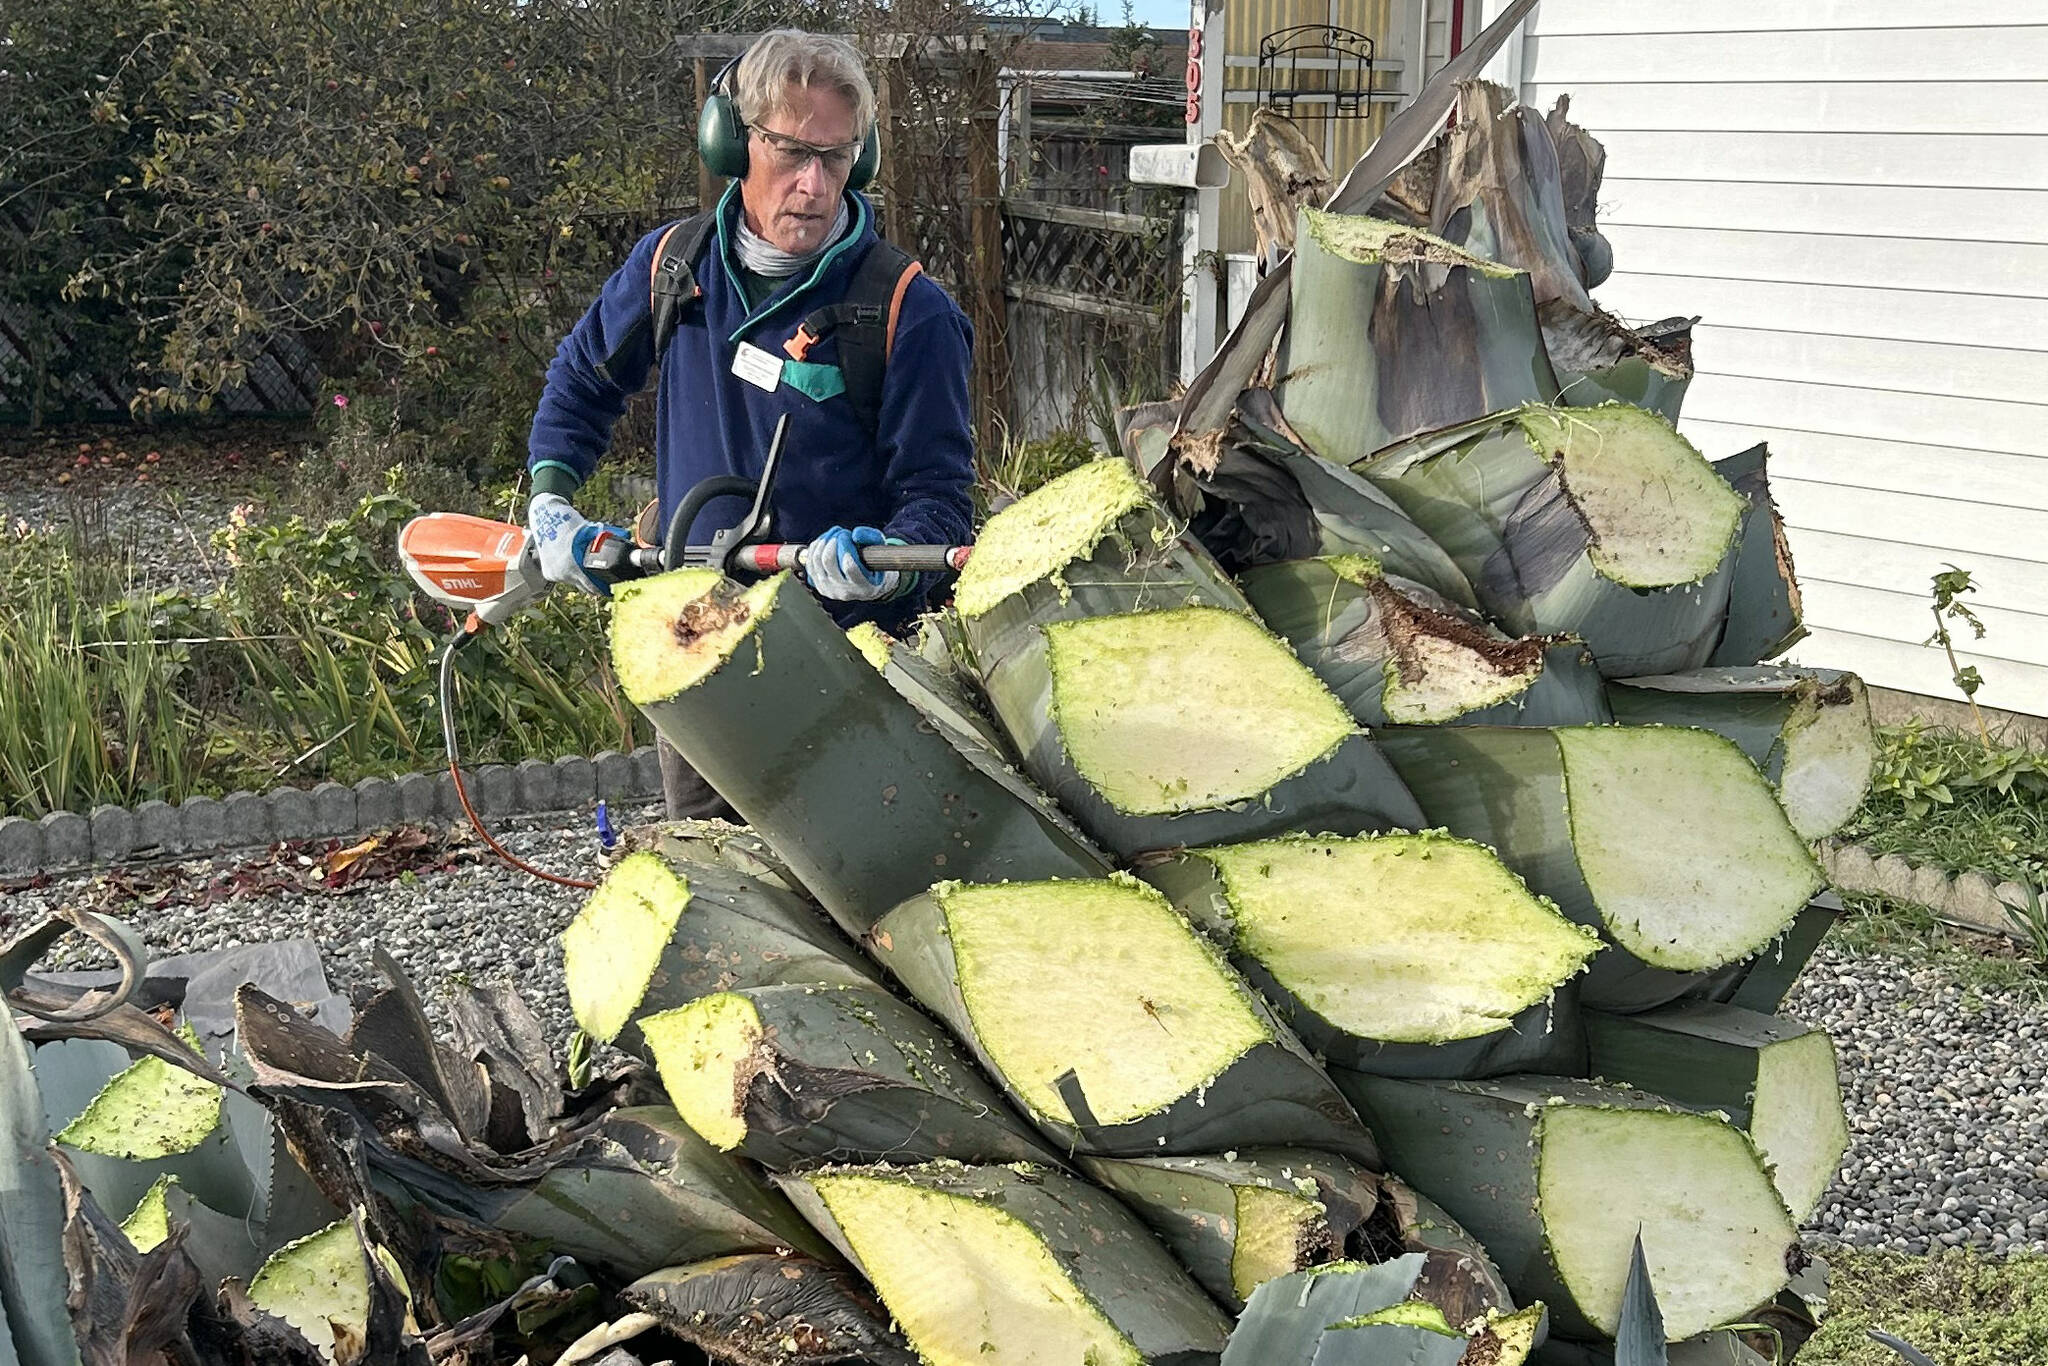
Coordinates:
(793,154)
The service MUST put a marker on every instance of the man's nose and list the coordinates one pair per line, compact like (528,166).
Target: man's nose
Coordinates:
(814,179)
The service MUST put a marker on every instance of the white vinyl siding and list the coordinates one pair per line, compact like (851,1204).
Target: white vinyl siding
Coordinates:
(1853,196)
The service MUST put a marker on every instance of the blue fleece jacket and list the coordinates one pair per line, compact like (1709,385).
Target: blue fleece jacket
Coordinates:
(911,478)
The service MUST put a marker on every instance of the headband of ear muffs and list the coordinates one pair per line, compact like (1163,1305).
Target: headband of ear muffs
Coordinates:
(722,136)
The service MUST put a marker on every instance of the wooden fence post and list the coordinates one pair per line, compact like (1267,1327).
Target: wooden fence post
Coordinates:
(985,274)
(893,100)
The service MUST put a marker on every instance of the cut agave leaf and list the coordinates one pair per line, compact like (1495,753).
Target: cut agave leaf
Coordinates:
(870,802)
(153,1119)
(34,1278)
(1602,523)
(1237,1220)
(1566,1175)
(983,1266)
(1102,708)
(652,1194)
(1765,617)
(1288,1320)
(1458,1276)
(1567,809)
(1599,359)
(1091,542)
(1392,331)
(761,1309)
(712,841)
(322,1286)
(1267,498)
(1775,1079)
(788,1074)
(1371,944)
(1807,729)
(1160,1049)
(219,1246)
(1397,654)
(658,933)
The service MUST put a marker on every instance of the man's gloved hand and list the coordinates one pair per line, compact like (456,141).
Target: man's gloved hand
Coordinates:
(832,565)
(562,536)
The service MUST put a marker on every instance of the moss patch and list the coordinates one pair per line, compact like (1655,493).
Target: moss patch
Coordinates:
(1961,1308)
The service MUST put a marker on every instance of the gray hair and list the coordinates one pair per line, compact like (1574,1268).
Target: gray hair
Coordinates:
(786,56)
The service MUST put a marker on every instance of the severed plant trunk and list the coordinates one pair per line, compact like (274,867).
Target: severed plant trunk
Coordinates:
(865,796)
(1599,359)
(1160,1048)
(659,933)
(1082,1280)
(1414,954)
(1567,809)
(769,1309)
(793,1074)
(1236,1221)
(1765,617)
(1776,1080)
(1558,1178)
(1392,332)
(1601,523)
(1500,193)
(1807,729)
(1398,654)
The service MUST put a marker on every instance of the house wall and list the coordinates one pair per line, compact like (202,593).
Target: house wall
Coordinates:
(1853,194)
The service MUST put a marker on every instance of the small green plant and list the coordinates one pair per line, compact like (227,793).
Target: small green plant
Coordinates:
(1948,605)
(2029,920)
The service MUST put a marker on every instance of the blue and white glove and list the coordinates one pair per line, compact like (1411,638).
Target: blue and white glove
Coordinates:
(562,536)
(832,565)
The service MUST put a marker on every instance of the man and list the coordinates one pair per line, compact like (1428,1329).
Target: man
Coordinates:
(788,239)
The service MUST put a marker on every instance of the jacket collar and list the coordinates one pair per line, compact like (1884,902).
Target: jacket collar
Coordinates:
(833,260)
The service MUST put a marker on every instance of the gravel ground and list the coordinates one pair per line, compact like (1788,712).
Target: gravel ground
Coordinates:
(481,919)
(166,530)
(1947,1092)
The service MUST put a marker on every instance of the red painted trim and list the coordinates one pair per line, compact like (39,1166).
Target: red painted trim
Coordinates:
(1457,27)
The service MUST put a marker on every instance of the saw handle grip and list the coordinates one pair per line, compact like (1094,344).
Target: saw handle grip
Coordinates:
(772,557)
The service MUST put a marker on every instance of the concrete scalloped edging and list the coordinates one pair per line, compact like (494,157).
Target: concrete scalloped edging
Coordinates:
(1970,900)
(67,840)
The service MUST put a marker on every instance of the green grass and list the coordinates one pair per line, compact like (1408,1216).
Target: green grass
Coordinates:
(1960,1308)
(1939,796)
(313,660)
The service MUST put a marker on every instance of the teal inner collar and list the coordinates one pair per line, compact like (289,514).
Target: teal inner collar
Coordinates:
(857,225)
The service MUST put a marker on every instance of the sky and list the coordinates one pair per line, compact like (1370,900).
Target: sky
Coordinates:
(1151,13)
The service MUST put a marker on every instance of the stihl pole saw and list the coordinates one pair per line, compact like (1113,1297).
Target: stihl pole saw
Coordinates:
(489,570)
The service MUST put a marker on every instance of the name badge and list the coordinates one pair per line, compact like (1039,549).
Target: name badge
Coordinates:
(762,369)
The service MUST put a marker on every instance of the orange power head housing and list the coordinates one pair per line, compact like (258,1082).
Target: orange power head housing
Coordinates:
(489,568)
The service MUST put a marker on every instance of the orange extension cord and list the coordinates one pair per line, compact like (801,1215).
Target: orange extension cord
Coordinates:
(472,630)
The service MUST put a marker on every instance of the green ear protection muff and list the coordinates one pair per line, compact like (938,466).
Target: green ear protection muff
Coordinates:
(722,137)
